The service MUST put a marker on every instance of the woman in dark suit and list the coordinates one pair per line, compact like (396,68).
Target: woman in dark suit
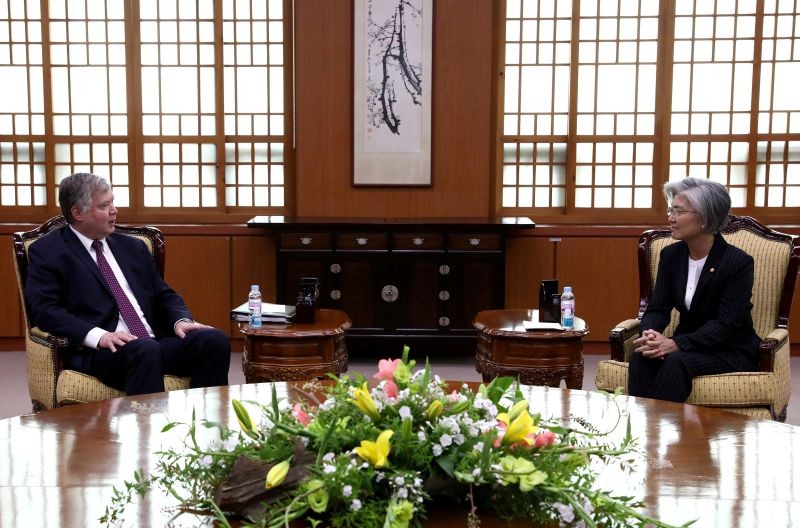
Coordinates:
(710,283)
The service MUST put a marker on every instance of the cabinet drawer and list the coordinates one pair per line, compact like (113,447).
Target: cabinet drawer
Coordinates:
(418,241)
(362,241)
(476,242)
(305,240)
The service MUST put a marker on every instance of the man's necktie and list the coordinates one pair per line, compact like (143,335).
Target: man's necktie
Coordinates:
(126,309)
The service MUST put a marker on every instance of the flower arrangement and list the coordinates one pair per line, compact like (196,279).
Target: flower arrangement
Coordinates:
(377,455)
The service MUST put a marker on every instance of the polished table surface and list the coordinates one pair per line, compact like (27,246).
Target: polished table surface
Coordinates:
(57,468)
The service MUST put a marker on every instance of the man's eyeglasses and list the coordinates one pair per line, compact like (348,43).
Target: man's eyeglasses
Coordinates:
(677,211)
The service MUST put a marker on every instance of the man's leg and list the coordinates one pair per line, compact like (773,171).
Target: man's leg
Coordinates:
(136,368)
(204,355)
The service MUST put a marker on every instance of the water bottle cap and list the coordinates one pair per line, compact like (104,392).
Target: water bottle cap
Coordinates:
(567,289)
(254,287)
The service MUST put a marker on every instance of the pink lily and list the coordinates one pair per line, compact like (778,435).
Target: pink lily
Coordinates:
(386,368)
(300,415)
(545,438)
(390,389)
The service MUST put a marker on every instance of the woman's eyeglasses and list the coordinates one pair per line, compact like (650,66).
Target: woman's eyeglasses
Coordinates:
(677,211)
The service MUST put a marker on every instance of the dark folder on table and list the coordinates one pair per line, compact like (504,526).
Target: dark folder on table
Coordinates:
(270,313)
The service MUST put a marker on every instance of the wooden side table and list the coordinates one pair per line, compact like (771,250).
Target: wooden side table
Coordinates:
(536,357)
(296,351)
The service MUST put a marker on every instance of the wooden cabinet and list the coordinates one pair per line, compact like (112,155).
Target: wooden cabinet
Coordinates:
(400,282)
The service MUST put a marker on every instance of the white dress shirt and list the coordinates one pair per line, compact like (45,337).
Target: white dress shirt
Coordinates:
(695,267)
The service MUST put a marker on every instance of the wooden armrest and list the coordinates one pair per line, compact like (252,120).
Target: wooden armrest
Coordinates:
(627,329)
(56,343)
(769,347)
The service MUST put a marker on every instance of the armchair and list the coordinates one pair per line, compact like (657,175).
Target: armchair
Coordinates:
(50,384)
(764,393)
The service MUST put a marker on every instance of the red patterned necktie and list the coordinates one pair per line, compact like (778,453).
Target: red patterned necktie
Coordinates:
(126,309)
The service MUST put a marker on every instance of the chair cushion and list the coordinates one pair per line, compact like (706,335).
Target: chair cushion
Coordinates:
(77,387)
(737,389)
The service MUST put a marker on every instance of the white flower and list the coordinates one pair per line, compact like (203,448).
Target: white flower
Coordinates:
(405,412)
(355,505)
(478,446)
(421,436)
(437,450)
(230,444)
(347,490)
(446,440)
(565,511)
(399,481)
(402,493)
(328,457)
(205,461)
(476,472)
(379,477)
(472,431)
(328,468)
(459,439)
(304,440)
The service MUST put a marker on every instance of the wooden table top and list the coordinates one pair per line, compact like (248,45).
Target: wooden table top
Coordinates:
(509,323)
(57,468)
(326,322)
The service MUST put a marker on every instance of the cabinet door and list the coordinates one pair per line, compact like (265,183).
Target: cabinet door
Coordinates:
(359,281)
(418,306)
(475,283)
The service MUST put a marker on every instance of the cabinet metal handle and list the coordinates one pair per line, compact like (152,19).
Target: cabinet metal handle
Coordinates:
(389,293)
(474,241)
(444,269)
(418,241)
(361,241)
(336,295)
(444,295)
(306,240)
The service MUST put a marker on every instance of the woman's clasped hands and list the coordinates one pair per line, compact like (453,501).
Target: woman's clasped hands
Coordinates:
(654,345)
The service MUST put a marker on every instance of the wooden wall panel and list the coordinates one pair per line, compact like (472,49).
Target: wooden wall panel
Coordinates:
(528,261)
(603,273)
(10,310)
(199,268)
(253,261)
(462,142)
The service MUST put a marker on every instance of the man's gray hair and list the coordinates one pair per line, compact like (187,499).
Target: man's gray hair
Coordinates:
(78,190)
(708,198)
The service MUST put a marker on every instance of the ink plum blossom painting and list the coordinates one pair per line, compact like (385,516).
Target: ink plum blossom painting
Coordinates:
(392,92)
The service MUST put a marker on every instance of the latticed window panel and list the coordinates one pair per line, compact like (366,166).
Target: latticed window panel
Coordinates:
(22,174)
(178,58)
(254,174)
(109,160)
(614,175)
(534,174)
(722,161)
(778,174)
(87,54)
(779,97)
(21,69)
(713,67)
(617,55)
(180,175)
(537,59)
(253,58)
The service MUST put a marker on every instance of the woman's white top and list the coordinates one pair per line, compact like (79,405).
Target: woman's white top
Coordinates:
(695,267)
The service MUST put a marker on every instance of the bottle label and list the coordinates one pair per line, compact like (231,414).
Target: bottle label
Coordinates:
(255,312)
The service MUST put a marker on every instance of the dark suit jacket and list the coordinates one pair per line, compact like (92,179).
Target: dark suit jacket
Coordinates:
(68,296)
(719,321)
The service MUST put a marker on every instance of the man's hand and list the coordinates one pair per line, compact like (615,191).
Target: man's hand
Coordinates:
(654,345)
(184,327)
(111,340)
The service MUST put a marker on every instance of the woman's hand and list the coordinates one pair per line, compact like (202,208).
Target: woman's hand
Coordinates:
(654,344)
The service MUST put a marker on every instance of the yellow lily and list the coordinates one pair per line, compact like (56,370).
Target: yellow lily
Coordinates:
(376,453)
(277,474)
(365,402)
(434,409)
(520,429)
(243,417)
(517,409)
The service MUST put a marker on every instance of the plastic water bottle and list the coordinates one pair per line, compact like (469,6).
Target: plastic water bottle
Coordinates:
(568,308)
(254,305)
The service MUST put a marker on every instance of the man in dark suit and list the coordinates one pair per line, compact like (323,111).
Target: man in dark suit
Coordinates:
(102,291)
(710,283)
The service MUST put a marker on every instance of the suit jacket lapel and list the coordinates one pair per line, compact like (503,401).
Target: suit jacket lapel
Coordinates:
(712,263)
(75,245)
(682,274)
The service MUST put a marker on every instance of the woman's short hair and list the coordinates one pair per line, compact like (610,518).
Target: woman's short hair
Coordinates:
(78,190)
(708,198)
